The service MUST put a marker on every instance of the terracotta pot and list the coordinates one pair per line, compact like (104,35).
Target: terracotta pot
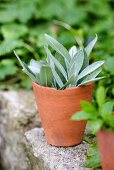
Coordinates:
(106,148)
(56,108)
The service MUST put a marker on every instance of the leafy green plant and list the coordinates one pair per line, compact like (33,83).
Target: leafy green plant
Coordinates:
(64,68)
(100,116)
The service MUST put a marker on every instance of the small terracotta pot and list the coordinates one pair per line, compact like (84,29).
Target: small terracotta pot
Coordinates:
(106,147)
(56,108)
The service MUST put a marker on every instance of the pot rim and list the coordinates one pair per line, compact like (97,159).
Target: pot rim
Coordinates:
(67,90)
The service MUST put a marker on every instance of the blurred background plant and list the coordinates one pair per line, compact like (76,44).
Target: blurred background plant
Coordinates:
(23,24)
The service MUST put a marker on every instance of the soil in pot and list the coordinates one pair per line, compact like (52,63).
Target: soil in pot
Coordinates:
(56,108)
(106,148)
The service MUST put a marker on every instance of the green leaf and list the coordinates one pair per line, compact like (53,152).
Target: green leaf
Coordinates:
(36,65)
(94,74)
(33,78)
(26,82)
(90,77)
(26,69)
(76,63)
(21,10)
(7,46)
(29,73)
(85,61)
(89,69)
(61,60)
(56,76)
(19,60)
(7,15)
(7,68)
(46,76)
(72,15)
(82,115)
(58,48)
(107,109)
(100,96)
(110,64)
(60,67)
(13,31)
(93,157)
(84,82)
(95,125)
(110,121)
(70,81)
(73,51)
(90,46)
(35,70)
(88,107)
(38,78)
(25,10)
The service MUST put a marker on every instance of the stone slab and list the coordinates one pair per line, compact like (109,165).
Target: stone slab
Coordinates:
(18,113)
(43,156)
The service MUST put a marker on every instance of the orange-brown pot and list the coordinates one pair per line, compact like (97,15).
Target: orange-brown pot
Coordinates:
(106,147)
(56,108)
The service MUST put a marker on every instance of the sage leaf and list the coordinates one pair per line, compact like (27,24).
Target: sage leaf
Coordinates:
(89,69)
(70,81)
(89,81)
(56,76)
(76,63)
(73,51)
(46,77)
(58,48)
(90,46)
(59,66)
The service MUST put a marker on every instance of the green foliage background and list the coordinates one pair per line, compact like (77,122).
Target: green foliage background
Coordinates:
(24,22)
